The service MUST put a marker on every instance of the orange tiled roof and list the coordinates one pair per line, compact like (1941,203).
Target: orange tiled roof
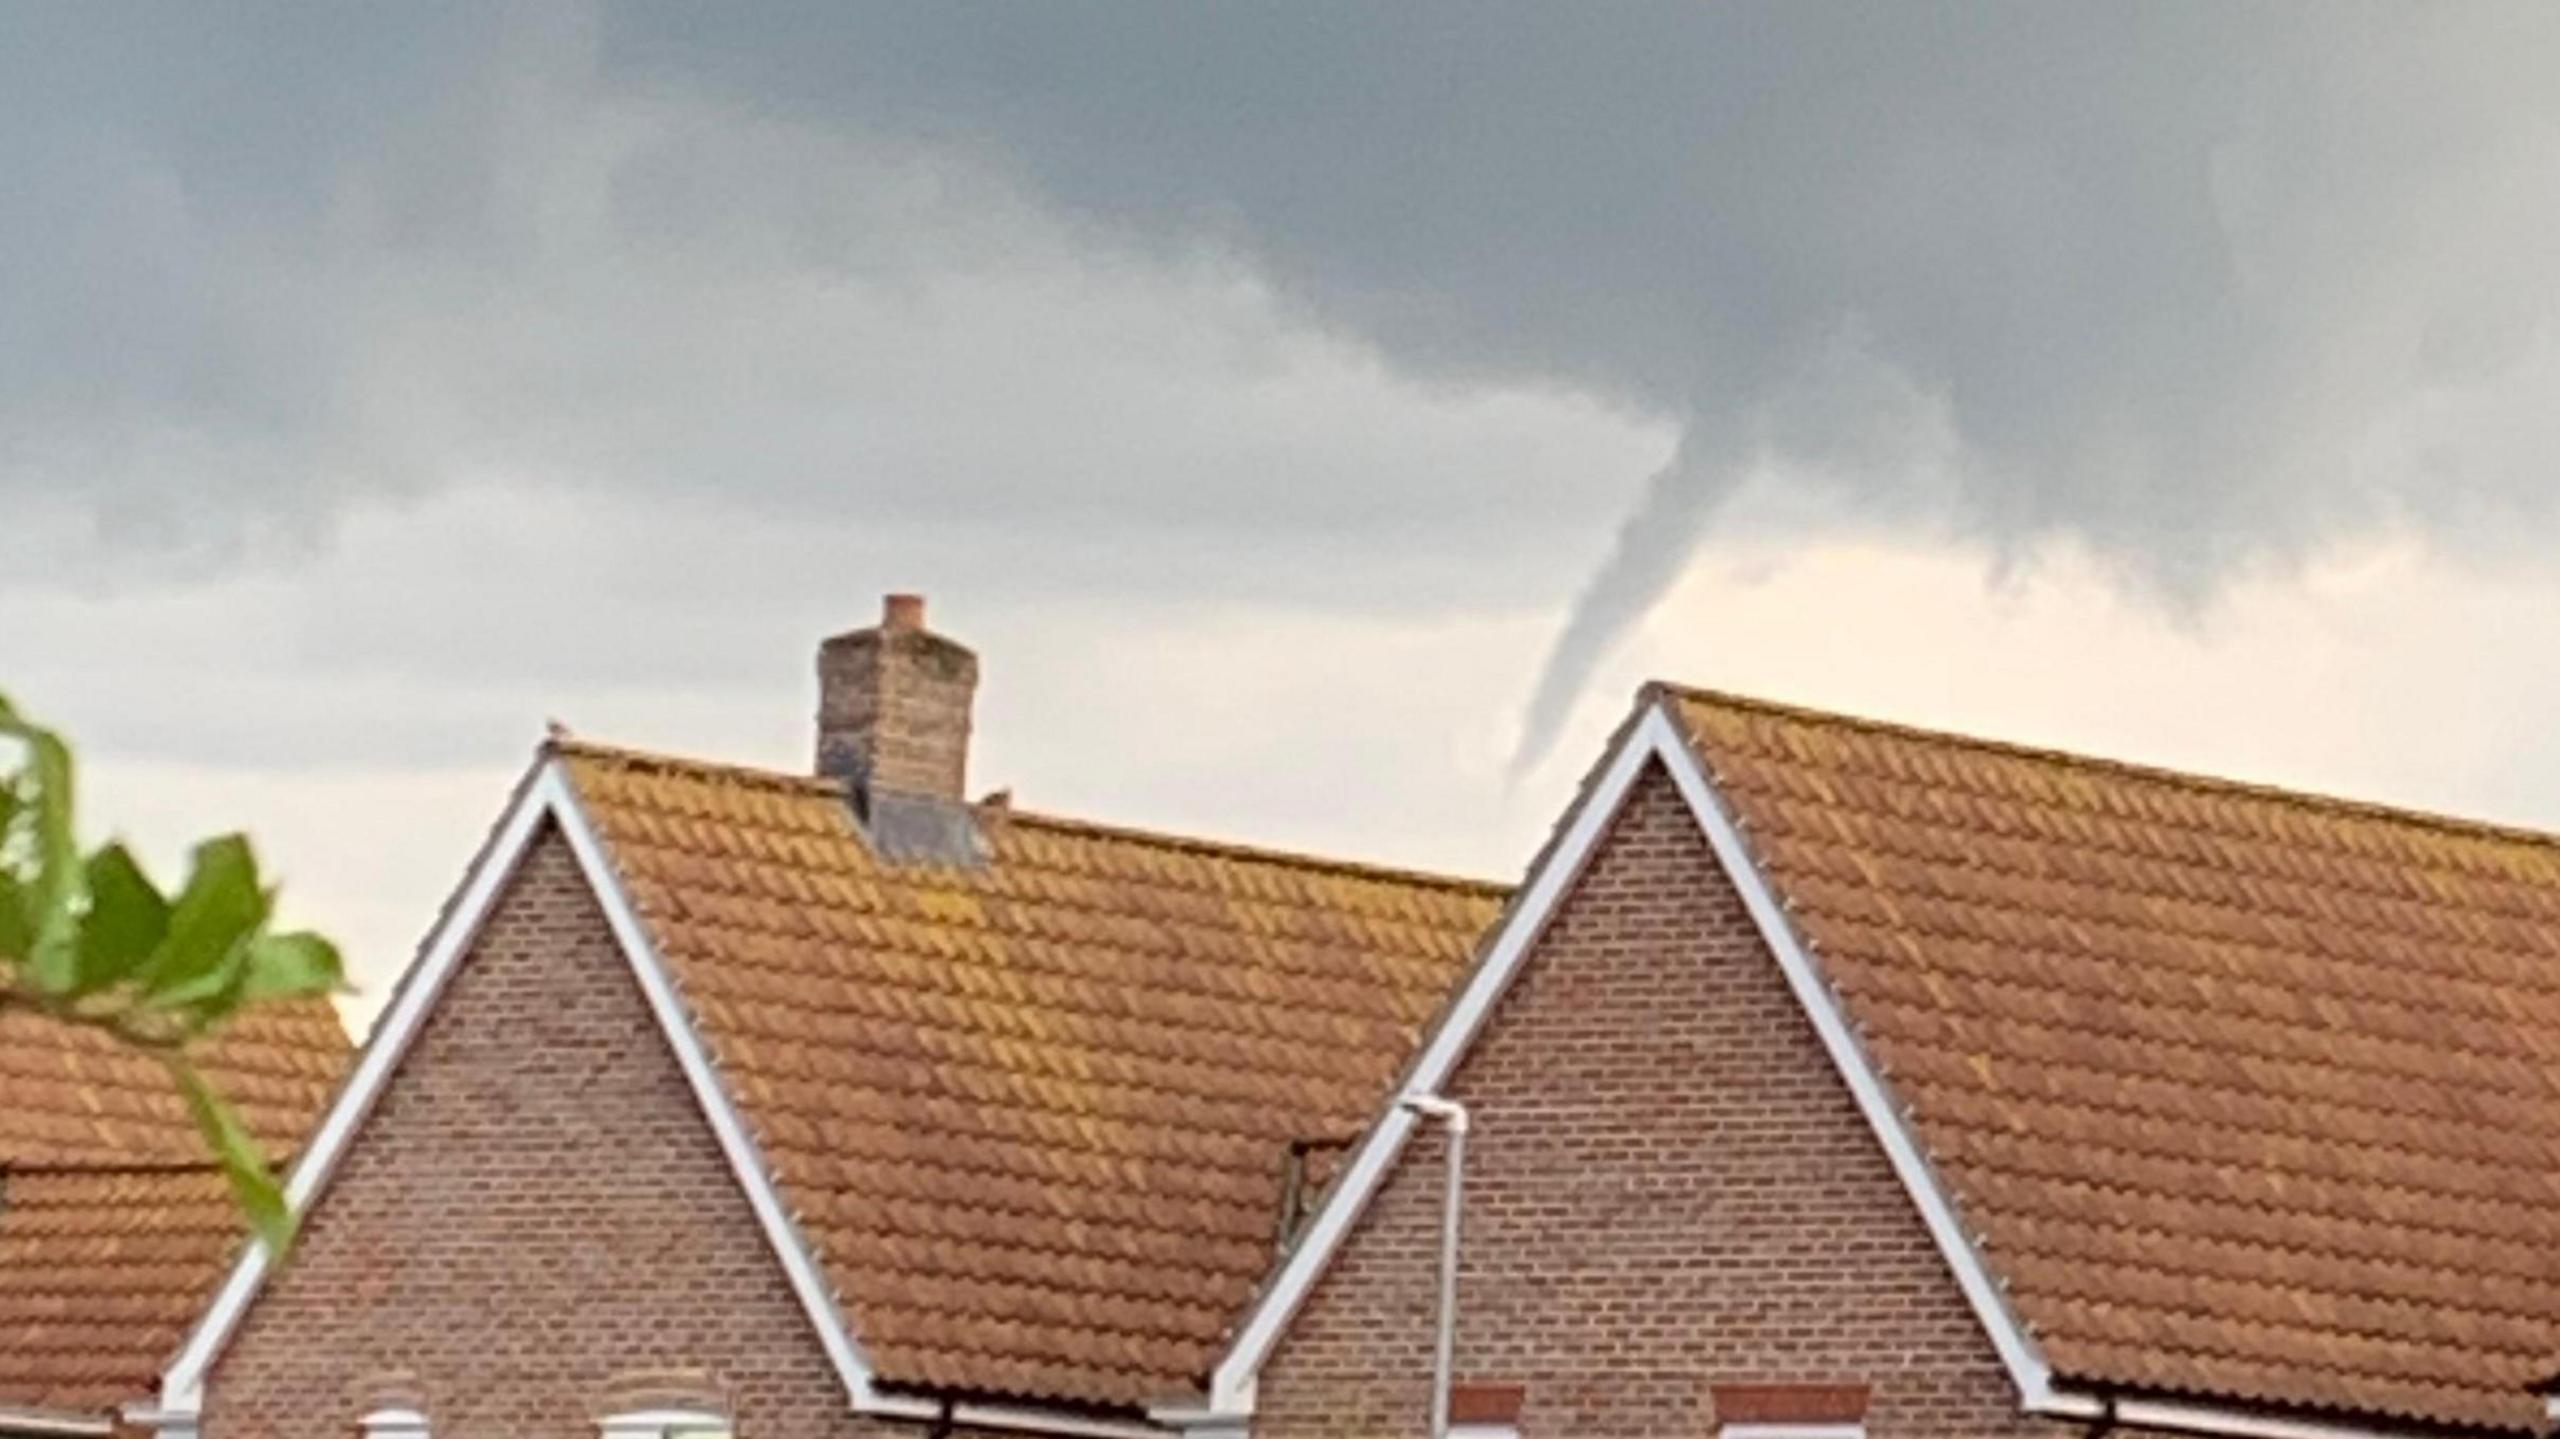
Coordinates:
(73,1095)
(1033,1114)
(102,1270)
(113,1228)
(2250,1095)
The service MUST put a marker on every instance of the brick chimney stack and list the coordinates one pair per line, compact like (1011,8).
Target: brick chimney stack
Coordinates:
(893,707)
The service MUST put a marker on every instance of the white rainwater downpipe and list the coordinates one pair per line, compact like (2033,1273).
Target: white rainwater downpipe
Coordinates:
(1453,1123)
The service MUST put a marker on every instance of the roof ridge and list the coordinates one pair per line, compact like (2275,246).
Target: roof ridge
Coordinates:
(667,760)
(1193,844)
(2460,826)
(1269,854)
(136,1165)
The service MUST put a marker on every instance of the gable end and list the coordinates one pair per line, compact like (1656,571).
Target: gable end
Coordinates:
(543,800)
(1653,737)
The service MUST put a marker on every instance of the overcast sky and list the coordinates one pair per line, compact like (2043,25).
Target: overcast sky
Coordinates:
(1318,417)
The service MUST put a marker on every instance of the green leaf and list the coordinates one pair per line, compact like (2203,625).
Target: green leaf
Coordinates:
(125,924)
(50,905)
(220,906)
(243,1165)
(16,934)
(266,967)
(72,927)
(206,996)
(284,966)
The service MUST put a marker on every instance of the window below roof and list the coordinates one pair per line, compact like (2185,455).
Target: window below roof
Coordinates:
(395,1421)
(664,1404)
(394,1405)
(665,1423)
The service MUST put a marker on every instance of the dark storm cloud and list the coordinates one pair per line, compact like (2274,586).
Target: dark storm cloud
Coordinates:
(169,175)
(2197,286)
(260,271)
(2170,280)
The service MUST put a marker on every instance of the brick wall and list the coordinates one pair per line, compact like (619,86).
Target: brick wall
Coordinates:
(536,1206)
(1668,1187)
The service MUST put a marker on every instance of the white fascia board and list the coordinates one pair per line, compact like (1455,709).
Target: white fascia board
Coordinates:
(182,1383)
(1657,736)
(1194,1419)
(1653,738)
(799,1261)
(546,794)
(1232,1383)
(1034,1420)
(1019,1418)
(2018,1352)
(2193,1418)
(53,1423)
(1198,1421)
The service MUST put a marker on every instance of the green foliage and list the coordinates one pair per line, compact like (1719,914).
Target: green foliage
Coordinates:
(92,941)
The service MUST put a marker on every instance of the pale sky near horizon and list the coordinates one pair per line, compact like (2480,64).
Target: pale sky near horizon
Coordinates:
(1318,418)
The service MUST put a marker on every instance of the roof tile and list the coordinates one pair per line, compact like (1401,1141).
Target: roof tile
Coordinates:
(2250,1095)
(1033,1113)
(113,1228)
(101,1272)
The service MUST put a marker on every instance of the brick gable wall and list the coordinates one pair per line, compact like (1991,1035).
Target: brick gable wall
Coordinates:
(1668,1187)
(535,1206)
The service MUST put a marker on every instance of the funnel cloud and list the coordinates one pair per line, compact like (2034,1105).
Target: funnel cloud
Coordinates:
(2197,288)
(1652,544)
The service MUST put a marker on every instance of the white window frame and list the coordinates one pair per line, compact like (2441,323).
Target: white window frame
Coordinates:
(395,1421)
(664,1422)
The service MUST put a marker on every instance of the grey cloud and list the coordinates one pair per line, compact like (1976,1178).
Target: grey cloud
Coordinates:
(2198,286)
(2176,281)
(487,252)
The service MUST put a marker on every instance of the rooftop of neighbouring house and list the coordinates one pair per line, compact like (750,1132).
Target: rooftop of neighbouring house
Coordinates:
(2249,1094)
(1030,1084)
(1033,1108)
(113,1224)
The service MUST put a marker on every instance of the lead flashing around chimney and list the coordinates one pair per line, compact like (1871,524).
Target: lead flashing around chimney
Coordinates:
(920,829)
